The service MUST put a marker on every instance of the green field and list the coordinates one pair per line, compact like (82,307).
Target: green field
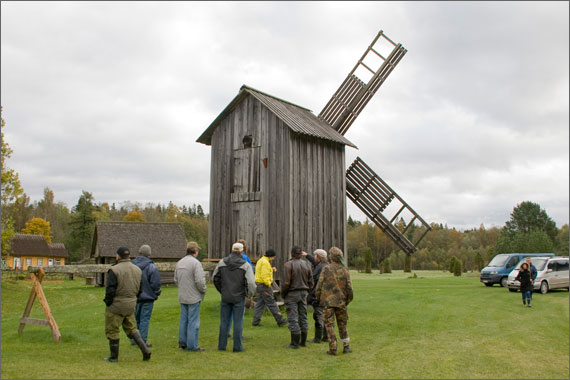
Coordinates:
(435,326)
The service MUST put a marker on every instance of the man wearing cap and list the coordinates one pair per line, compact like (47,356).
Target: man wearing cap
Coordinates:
(233,278)
(319,260)
(150,290)
(263,281)
(123,282)
(295,286)
(334,291)
(191,280)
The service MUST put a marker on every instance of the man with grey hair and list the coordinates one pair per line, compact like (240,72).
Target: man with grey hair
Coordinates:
(191,280)
(319,260)
(150,290)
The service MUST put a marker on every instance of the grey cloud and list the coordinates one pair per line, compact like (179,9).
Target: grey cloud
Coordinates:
(110,97)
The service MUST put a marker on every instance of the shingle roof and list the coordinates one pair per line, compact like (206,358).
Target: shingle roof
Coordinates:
(299,119)
(36,245)
(167,240)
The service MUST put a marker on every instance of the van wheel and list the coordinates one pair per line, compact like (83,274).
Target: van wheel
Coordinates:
(512,290)
(503,282)
(544,287)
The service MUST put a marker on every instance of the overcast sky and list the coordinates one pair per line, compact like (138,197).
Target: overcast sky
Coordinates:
(110,97)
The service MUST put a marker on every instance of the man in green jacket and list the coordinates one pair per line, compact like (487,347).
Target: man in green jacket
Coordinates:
(123,282)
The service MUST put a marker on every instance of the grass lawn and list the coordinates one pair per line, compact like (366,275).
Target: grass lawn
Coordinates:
(435,326)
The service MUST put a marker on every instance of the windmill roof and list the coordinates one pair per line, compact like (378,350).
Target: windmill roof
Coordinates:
(36,245)
(167,240)
(300,120)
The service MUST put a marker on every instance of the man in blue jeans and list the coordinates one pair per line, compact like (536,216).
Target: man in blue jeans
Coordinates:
(233,278)
(191,280)
(150,290)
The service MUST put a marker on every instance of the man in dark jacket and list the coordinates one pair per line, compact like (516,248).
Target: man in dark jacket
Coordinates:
(296,283)
(150,290)
(233,278)
(123,285)
(319,260)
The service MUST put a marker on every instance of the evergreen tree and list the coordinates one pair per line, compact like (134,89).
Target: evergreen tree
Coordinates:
(386,266)
(527,217)
(82,227)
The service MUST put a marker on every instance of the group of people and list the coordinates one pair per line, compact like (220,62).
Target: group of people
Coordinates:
(320,280)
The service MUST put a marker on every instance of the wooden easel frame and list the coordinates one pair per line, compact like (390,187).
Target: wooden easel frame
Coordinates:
(39,292)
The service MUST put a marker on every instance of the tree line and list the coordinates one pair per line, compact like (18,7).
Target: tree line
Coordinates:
(529,229)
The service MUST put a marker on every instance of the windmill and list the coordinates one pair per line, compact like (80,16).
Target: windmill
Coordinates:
(278,175)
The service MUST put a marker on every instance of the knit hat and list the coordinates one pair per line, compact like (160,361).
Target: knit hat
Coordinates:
(145,250)
(237,248)
(335,254)
(123,252)
(270,253)
(321,253)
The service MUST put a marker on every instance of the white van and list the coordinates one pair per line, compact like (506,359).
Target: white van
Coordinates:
(552,273)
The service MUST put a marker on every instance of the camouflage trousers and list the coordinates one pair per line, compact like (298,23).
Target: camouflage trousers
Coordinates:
(341,314)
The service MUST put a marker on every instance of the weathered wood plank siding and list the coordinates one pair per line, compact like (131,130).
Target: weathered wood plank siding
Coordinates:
(285,189)
(318,204)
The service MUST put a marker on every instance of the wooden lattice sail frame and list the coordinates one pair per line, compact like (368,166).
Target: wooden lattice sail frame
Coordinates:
(353,94)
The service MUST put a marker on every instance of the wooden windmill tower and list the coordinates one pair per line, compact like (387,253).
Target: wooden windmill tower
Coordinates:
(278,174)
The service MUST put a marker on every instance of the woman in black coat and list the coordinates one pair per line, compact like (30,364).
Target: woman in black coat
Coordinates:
(525,278)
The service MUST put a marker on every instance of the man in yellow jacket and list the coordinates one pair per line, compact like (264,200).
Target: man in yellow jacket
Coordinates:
(263,280)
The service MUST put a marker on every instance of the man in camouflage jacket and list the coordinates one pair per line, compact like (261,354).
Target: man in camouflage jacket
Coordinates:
(334,292)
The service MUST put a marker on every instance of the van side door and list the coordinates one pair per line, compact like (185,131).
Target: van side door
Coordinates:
(513,261)
(551,274)
(563,273)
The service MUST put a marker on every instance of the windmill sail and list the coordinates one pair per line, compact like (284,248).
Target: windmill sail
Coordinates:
(372,195)
(353,94)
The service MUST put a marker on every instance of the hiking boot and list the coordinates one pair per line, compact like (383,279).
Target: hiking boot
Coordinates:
(331,352)
(346,350)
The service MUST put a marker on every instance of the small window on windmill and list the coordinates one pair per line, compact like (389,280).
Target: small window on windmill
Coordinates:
(247,141)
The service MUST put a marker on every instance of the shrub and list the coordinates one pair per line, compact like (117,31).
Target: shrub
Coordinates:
(386,266)
(365,254)
(359,263)
(457,268)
